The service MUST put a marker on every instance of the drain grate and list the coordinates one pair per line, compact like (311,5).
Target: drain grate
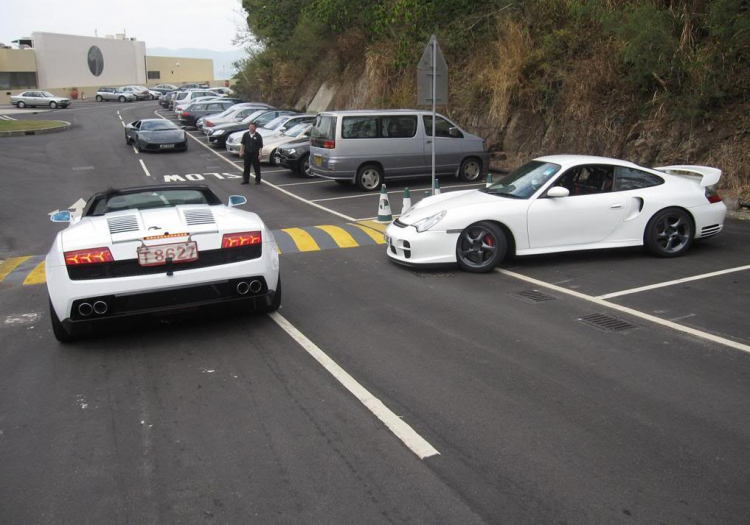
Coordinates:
(533,296)
(434,275)
(606,322)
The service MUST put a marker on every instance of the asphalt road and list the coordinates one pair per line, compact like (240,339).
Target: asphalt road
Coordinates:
(537,416)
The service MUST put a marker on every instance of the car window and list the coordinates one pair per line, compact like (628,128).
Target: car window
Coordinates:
(587,180)
(277,122)
(296,130)
(47,94)
(442,128)
(265,118)
(359,127)
(523,182)
(398,126)
(215,106)
(633,179)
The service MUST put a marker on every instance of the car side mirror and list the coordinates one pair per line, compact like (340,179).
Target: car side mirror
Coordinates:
(236,200)
(60,216)
(558,192)
(453,132)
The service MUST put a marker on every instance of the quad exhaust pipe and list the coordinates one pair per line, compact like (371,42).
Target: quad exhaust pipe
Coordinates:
(85,309)
(253,286)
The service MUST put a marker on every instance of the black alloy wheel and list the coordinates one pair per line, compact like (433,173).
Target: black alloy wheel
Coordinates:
(481,247)
(669,233)
(305,166)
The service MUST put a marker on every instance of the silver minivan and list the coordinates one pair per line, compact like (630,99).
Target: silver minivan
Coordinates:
(369,147)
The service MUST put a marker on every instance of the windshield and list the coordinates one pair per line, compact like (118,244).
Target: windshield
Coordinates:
(296,130)
(157,125)
(264,119)
(523,182)
(254,115)
(148,199)
(47,94)
(276,123)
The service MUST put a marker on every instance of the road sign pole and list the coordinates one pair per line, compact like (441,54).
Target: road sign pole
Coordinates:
(434,97)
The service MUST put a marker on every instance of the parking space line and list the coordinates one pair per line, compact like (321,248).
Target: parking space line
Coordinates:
(135,150)
(402,430)
(37,275)
(274,186)
(303,240)
(630,311)
(8,265)
(305,183)
(144,167)
(672,283)
(340,236)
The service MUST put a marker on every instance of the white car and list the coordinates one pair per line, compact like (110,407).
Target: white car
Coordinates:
(156,249)
(562,203)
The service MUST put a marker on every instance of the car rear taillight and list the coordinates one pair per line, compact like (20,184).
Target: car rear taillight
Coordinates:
(185,114)
(712,195)
(90,256)
(329,144)
(235,240)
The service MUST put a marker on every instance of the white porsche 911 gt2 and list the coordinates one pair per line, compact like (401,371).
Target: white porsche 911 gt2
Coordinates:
(156,249)
(562,203)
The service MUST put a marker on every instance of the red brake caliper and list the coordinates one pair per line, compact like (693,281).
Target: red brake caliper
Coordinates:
(489,241)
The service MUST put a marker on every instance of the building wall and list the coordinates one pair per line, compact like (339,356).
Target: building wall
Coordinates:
(188,70)
(17,60)
(65,61)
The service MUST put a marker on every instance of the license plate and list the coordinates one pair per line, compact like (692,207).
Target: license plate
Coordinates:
(318,160)
(166,146)
(157,255)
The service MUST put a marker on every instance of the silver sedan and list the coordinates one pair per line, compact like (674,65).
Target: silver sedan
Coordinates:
(39,98)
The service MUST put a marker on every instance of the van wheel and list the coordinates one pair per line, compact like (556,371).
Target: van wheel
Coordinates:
(369,177)
(471,169)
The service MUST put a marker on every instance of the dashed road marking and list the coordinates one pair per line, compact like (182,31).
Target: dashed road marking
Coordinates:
(145,169)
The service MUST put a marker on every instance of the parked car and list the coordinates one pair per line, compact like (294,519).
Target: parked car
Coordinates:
(218,134)
(39,98)
(223,90)
(368,147)
(185,97)
(295,156)
(269,152)
(236,113)
(155,95)
(166,100)
(193,85)
(141,93)
(280,124)
(158,249)
(164,88)
(193,112)
(155,134)
(561,203)
(106,94)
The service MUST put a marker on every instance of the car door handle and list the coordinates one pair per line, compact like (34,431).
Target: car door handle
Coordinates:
(429,142)
(616,206)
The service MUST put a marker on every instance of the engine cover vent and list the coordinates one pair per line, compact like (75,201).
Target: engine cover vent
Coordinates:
(196,217)
(122,224)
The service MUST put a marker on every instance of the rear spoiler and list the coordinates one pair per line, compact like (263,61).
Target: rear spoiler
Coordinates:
(709,176)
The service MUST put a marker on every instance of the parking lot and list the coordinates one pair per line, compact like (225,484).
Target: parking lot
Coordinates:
(587,387)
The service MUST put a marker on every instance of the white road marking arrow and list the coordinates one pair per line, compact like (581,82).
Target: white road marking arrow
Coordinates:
(77,207)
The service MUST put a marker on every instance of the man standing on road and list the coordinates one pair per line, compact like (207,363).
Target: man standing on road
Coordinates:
(252,143)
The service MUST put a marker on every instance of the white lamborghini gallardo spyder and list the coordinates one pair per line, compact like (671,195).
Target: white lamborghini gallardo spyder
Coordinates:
(156,249)
(562,203)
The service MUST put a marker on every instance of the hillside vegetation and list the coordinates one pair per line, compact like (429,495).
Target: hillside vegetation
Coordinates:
(651,81)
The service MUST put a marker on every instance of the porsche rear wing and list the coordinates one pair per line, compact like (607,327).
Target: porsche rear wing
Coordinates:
(708,176)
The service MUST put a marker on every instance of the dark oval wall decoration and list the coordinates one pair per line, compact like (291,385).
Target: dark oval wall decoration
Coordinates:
(96,61)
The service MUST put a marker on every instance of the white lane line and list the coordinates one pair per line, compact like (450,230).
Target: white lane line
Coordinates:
(118,111)
(304,183)
(630,311)
(135,150)
(274,186)
(672,283)
(374,194)
(395,424)
(144,167)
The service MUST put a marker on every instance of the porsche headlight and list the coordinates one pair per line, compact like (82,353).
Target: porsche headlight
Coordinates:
(429,222)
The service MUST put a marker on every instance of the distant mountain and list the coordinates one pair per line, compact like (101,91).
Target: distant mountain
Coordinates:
(223,60)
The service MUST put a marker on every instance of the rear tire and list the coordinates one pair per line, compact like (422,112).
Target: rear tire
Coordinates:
(99,98)
(669,233)
(369,177)
(276,303)
(58,330)
(471,169)
(481,247)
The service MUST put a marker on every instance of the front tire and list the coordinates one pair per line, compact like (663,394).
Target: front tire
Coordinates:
(481,247)
(53,105)
(21,104)
(58,330)
(122,99)
(272,160)
(471,169)
(304,166)
(99,98)
(669,233)
(369,177)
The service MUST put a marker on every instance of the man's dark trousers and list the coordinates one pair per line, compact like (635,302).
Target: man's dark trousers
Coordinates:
(254,162)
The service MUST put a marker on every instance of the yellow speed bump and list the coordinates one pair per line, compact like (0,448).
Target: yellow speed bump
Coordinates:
(340,236)
(9,265)
(303,240)
(375,235)
(37,275)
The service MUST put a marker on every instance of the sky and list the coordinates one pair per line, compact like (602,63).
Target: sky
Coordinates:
(206,24)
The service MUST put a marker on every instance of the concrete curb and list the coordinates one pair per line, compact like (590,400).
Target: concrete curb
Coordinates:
(42,131)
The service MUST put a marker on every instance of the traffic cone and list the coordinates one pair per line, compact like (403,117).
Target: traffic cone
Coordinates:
(384,206)
(407,201)
(427,193)
(437,187)
(489,180)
